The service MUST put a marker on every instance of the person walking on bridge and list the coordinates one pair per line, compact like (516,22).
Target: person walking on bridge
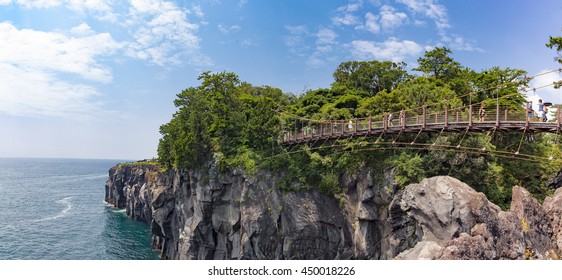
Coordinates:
(540,112)
(482,112)
(530,111)
(402,118)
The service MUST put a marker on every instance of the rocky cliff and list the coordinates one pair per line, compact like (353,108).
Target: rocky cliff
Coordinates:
(207,215)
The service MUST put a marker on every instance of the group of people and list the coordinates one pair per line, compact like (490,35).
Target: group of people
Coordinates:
(541,112)
(402,118)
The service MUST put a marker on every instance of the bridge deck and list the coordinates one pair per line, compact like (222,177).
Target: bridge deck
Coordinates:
(455,120)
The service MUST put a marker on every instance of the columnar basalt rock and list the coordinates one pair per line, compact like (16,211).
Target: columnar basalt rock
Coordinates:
(207,215)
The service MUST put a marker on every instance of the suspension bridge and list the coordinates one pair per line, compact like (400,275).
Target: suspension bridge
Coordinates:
(463,119)
(474,117)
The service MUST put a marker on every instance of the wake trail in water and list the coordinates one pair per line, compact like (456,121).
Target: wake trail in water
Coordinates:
(67,206)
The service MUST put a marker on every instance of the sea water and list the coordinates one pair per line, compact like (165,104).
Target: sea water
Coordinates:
(53,209)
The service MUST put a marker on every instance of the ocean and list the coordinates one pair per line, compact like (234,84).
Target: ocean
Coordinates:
(53,209)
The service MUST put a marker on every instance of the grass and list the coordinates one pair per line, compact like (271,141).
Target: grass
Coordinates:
(140,163)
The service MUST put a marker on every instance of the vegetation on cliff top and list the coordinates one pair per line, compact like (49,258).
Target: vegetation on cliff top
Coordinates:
(238,125)
(154,163)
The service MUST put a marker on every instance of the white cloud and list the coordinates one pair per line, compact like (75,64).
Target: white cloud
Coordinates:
(431,9)
(225,29)
(345,14)
(325,36)
(387,19)
(371,23)
(53,51)
(36,93)
(102,8)
(346,19)
(549,93)
(315,60)
(39,3)
(350,7)
(248,43)
(82,30)
(33,63)
(456,42)
(438,13)
(312,46)
(296,37)
(296,29)
(391,19)
(391,49)
(164,36)
(161,31)
(197,11)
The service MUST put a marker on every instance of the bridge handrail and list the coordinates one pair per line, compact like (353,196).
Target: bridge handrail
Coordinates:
(466,115)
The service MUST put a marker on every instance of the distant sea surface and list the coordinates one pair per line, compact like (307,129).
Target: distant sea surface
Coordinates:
(53,209)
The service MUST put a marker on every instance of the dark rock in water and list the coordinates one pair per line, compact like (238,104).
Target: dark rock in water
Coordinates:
(207,215)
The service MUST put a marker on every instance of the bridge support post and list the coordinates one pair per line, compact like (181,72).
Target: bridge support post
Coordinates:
(558,115)
(527,111)
(470,116)
(505,118)
(446,121)
(370,124)
(342,128)
(424,108)
(331,129)
(497,114)
(384,122)
(355,127)
(403,119)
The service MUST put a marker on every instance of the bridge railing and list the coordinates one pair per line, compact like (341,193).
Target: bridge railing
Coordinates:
(436,118)
(462,115)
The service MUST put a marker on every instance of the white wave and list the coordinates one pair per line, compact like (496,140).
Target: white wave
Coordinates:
(67,206)
(77,178)
(9,227)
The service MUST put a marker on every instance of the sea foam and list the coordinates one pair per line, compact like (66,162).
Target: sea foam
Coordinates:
(67,207)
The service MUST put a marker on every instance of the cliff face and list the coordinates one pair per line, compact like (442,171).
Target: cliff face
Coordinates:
(196,215)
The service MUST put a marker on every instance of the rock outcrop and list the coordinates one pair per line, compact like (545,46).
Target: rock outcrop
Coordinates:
(207,215)
(456,222)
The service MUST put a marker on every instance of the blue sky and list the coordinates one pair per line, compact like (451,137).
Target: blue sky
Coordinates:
(96,78)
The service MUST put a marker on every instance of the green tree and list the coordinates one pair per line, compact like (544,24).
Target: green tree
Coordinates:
(556,43)
(408,168)
(209,120)
(262,123)
(438,64)
(504,84)
(370,77)
(186,139)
